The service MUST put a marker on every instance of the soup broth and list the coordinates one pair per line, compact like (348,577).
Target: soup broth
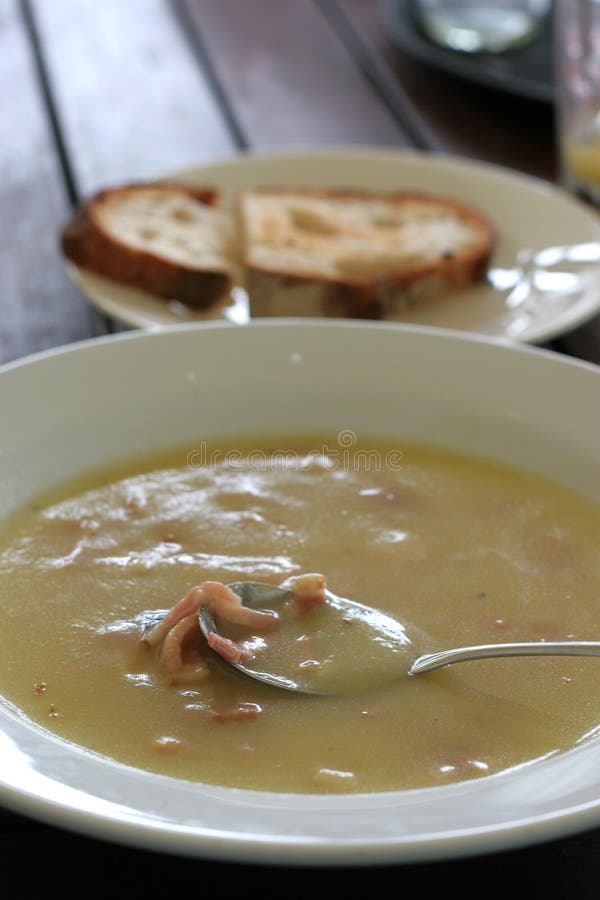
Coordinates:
(458,549)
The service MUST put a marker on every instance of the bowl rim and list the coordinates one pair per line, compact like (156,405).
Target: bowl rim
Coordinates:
(275,322)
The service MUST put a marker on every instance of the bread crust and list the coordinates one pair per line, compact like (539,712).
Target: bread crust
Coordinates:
(85,242)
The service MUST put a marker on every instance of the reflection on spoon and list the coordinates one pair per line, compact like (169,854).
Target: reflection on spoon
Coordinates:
(538,276)
(348,646)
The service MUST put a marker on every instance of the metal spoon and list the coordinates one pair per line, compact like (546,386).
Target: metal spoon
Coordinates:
(384,640)
(373,649)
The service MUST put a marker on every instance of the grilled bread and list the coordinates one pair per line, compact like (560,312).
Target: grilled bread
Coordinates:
(168,239)
(360,254)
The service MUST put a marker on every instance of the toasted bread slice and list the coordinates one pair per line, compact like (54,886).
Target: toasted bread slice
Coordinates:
(168,239)
(352,253)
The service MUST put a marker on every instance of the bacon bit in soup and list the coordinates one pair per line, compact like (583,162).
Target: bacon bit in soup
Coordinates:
(227,604)
(228,649)
(308,591)
(243,712)
(305,603)
(171,652)
(179,629)
(222,601)
(187,606)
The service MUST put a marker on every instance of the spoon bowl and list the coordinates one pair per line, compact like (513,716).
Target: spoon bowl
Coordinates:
(313,659)
(374,649)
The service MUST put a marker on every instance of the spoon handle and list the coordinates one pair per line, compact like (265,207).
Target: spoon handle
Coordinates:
(431,661)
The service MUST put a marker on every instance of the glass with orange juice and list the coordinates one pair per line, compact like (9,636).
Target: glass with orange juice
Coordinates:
(577,81)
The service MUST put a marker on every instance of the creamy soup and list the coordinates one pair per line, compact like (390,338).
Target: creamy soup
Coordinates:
(458,550)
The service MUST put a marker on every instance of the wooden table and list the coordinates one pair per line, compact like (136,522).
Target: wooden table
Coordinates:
(101,91)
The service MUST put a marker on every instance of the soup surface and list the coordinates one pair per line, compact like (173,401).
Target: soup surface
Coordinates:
(458,550)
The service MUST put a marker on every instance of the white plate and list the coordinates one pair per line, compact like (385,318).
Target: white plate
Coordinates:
(545,273)
(95,403)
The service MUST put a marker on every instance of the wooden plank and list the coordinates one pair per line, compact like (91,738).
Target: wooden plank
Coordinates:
(131,99)
(38,306)
(462,118)
(376,70)
(287,77)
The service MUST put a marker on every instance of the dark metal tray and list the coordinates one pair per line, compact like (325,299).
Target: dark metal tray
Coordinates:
(526,72)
